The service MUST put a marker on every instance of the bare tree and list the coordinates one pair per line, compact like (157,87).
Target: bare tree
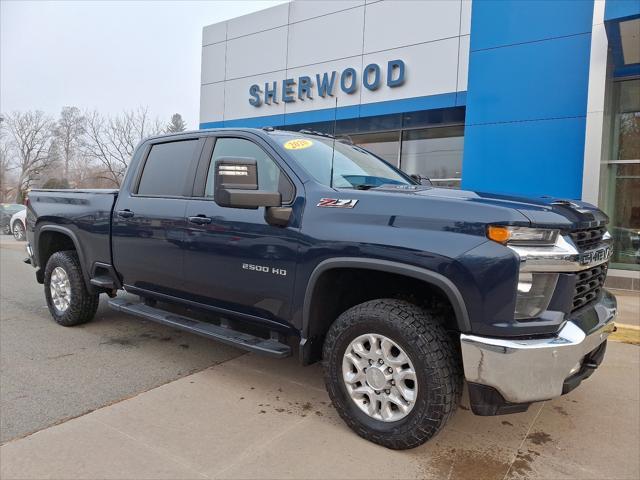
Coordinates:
(68,133)
(176,124)
(31,133)
(7,183)
(111,140)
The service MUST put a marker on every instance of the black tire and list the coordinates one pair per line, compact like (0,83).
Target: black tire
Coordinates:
(83,305)
(18,231)
(434,357)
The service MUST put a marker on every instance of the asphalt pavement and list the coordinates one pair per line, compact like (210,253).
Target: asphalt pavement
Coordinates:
(246,416)
(50,373)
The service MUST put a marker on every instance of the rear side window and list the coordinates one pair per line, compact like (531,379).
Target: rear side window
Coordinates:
(167,168)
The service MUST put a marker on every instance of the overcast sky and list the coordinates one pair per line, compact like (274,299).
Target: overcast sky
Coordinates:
(107,55)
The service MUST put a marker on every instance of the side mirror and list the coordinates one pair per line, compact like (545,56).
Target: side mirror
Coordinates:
(236,185)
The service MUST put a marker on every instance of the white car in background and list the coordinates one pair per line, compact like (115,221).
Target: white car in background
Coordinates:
(18,224)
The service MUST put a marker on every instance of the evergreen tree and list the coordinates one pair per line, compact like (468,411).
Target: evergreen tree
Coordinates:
(176,124)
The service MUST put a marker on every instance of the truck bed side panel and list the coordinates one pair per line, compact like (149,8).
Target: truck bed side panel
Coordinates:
(84,215)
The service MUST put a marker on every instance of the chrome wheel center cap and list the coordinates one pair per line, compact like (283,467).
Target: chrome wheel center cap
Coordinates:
(376,378)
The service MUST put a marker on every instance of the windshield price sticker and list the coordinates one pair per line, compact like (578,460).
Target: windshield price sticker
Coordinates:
(298,144)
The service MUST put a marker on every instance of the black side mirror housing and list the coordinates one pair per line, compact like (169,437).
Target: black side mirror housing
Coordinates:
(236,185)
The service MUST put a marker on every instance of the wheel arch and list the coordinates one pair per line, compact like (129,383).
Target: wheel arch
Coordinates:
(56,238)
(437,281)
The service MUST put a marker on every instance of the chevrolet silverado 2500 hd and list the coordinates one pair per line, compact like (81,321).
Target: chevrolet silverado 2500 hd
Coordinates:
(276,241)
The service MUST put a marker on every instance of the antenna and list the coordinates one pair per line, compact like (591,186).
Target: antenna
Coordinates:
(333,146)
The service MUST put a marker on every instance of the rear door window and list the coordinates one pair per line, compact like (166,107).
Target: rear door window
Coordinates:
(167,169)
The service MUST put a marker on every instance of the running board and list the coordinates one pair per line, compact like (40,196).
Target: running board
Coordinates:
(226,335)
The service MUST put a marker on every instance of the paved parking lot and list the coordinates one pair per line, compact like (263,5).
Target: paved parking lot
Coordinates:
(50,373)
(245,416)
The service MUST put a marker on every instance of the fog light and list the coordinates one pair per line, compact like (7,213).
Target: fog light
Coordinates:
(534,294)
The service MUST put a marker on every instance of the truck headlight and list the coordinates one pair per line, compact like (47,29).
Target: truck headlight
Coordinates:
(522,236)
(534,293)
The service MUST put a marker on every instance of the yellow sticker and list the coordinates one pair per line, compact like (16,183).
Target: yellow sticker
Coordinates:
(298,144)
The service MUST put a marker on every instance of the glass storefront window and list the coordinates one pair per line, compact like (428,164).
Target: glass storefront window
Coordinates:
(620,192)
(427,143)
(385,145)
(435,153)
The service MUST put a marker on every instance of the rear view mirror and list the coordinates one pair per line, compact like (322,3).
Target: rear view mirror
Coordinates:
(236,185)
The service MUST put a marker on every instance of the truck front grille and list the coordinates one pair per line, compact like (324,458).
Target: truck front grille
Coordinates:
(589,284)
(587,238)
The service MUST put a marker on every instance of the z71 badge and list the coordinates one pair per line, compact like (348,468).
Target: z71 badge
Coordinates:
(337,203)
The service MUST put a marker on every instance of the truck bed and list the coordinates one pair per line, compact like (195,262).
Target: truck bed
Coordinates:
(83,214)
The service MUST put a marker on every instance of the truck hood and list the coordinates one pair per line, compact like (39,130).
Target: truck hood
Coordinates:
(543,211)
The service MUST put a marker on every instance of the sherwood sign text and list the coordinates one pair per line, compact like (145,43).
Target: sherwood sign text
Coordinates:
(305,87)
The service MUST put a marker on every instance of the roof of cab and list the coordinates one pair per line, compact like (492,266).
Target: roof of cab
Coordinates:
(212,131)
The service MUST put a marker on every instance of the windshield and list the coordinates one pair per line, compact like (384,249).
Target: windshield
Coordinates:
(353,167)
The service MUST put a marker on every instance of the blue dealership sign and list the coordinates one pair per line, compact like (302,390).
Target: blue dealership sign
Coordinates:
(304,87)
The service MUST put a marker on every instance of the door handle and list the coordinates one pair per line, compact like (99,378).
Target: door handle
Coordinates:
(126,213)
(199,220)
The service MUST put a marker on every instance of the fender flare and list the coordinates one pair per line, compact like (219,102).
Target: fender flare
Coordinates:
(69,233)
(428,276)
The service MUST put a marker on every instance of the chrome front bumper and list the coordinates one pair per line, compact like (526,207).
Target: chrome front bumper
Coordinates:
(525,371)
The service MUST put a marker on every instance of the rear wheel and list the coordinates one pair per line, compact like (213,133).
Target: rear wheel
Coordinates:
(68,299)
(392,372)
(18,231)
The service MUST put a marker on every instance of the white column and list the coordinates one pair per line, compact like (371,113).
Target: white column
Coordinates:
(595,106)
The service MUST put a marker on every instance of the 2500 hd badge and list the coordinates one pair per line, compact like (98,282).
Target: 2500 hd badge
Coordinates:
(265,269)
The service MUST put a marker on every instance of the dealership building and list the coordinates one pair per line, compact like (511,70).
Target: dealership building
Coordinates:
(505,96)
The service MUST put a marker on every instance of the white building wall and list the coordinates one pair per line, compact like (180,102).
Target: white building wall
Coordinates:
(308,37)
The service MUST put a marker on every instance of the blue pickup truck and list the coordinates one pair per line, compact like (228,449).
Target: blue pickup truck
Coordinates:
(280,242)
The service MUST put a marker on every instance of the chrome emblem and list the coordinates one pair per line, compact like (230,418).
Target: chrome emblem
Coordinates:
(596,256)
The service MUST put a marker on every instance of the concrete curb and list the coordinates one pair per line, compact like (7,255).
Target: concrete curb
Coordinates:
(626,334)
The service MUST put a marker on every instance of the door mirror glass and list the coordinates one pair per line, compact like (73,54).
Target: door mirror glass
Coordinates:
(236,185)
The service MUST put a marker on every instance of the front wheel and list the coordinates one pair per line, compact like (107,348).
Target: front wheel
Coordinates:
(392,372)
(68,299)
(18,231)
